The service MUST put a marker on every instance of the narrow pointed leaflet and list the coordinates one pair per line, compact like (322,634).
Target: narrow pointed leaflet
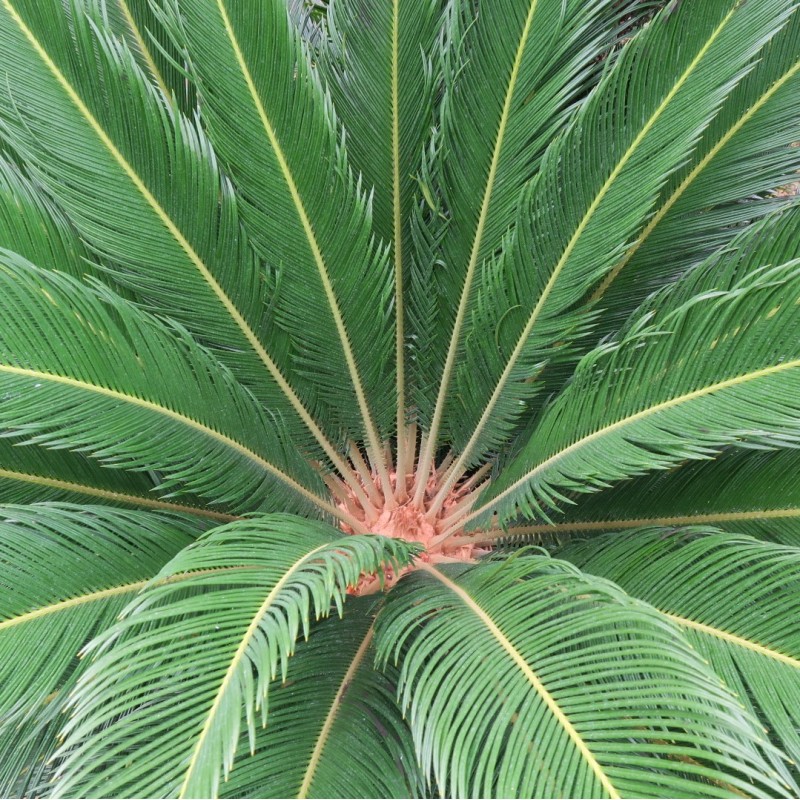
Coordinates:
(335,728)
(177,243)
(728,330)
(67,607)
(587,199)
(274,128)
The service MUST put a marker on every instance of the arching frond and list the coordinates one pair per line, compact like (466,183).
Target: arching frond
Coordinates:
(189,658)
(143,187)
(745,151)
(32,225)
(512,78)
(30,474)
(276,131)
(595,189)
(143,29)
(719,365)
(334,729)
(377,64)
(742,491)
(525,677)
(67,572)
(111,381)
(737,600)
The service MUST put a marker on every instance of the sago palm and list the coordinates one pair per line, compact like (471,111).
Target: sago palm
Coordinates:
(399,398)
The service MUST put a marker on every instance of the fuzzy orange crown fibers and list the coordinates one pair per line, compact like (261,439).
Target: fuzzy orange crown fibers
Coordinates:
(426,509)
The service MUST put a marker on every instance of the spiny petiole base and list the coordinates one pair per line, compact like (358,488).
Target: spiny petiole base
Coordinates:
(399,517)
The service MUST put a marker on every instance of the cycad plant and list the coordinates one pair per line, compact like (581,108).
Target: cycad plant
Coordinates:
(399,398)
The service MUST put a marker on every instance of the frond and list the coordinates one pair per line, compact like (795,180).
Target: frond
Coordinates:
(139,24)
(745,152)
(378,67)
(33,226)
(113,382)
(523,676)
(712,361)
(741,491)
(513,77)
(200,647)
(334,728)
(67,571)
(276,131)
(143,187)
(30,474)
(737,600)
(596,187)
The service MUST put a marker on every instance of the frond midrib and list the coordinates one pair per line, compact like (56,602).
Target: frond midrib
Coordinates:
(675,401)
(102,594)
(228,304)
(142,45)
(736,639)
(333,711)
(517,657)
(319,259)
(397,221)
(186,421)
(643,522)
(109,494)
(691,177)
(573,242)
(237,657)
(472,265)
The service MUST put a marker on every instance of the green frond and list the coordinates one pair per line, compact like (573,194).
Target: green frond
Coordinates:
(276,132)
(30,474)
(746,151)
(142,185)
(737,600)
(710,362)
(513,78)
(742,491)
(139,24)
(33,226)
(523,676)
(115,383)
(378,67)
(334,729)
(595,189)
(67,572)
(171,681)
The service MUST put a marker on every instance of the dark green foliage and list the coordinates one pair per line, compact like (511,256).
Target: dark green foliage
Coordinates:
(320,320)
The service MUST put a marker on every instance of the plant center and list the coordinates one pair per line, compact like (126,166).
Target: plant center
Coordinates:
(433,522)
